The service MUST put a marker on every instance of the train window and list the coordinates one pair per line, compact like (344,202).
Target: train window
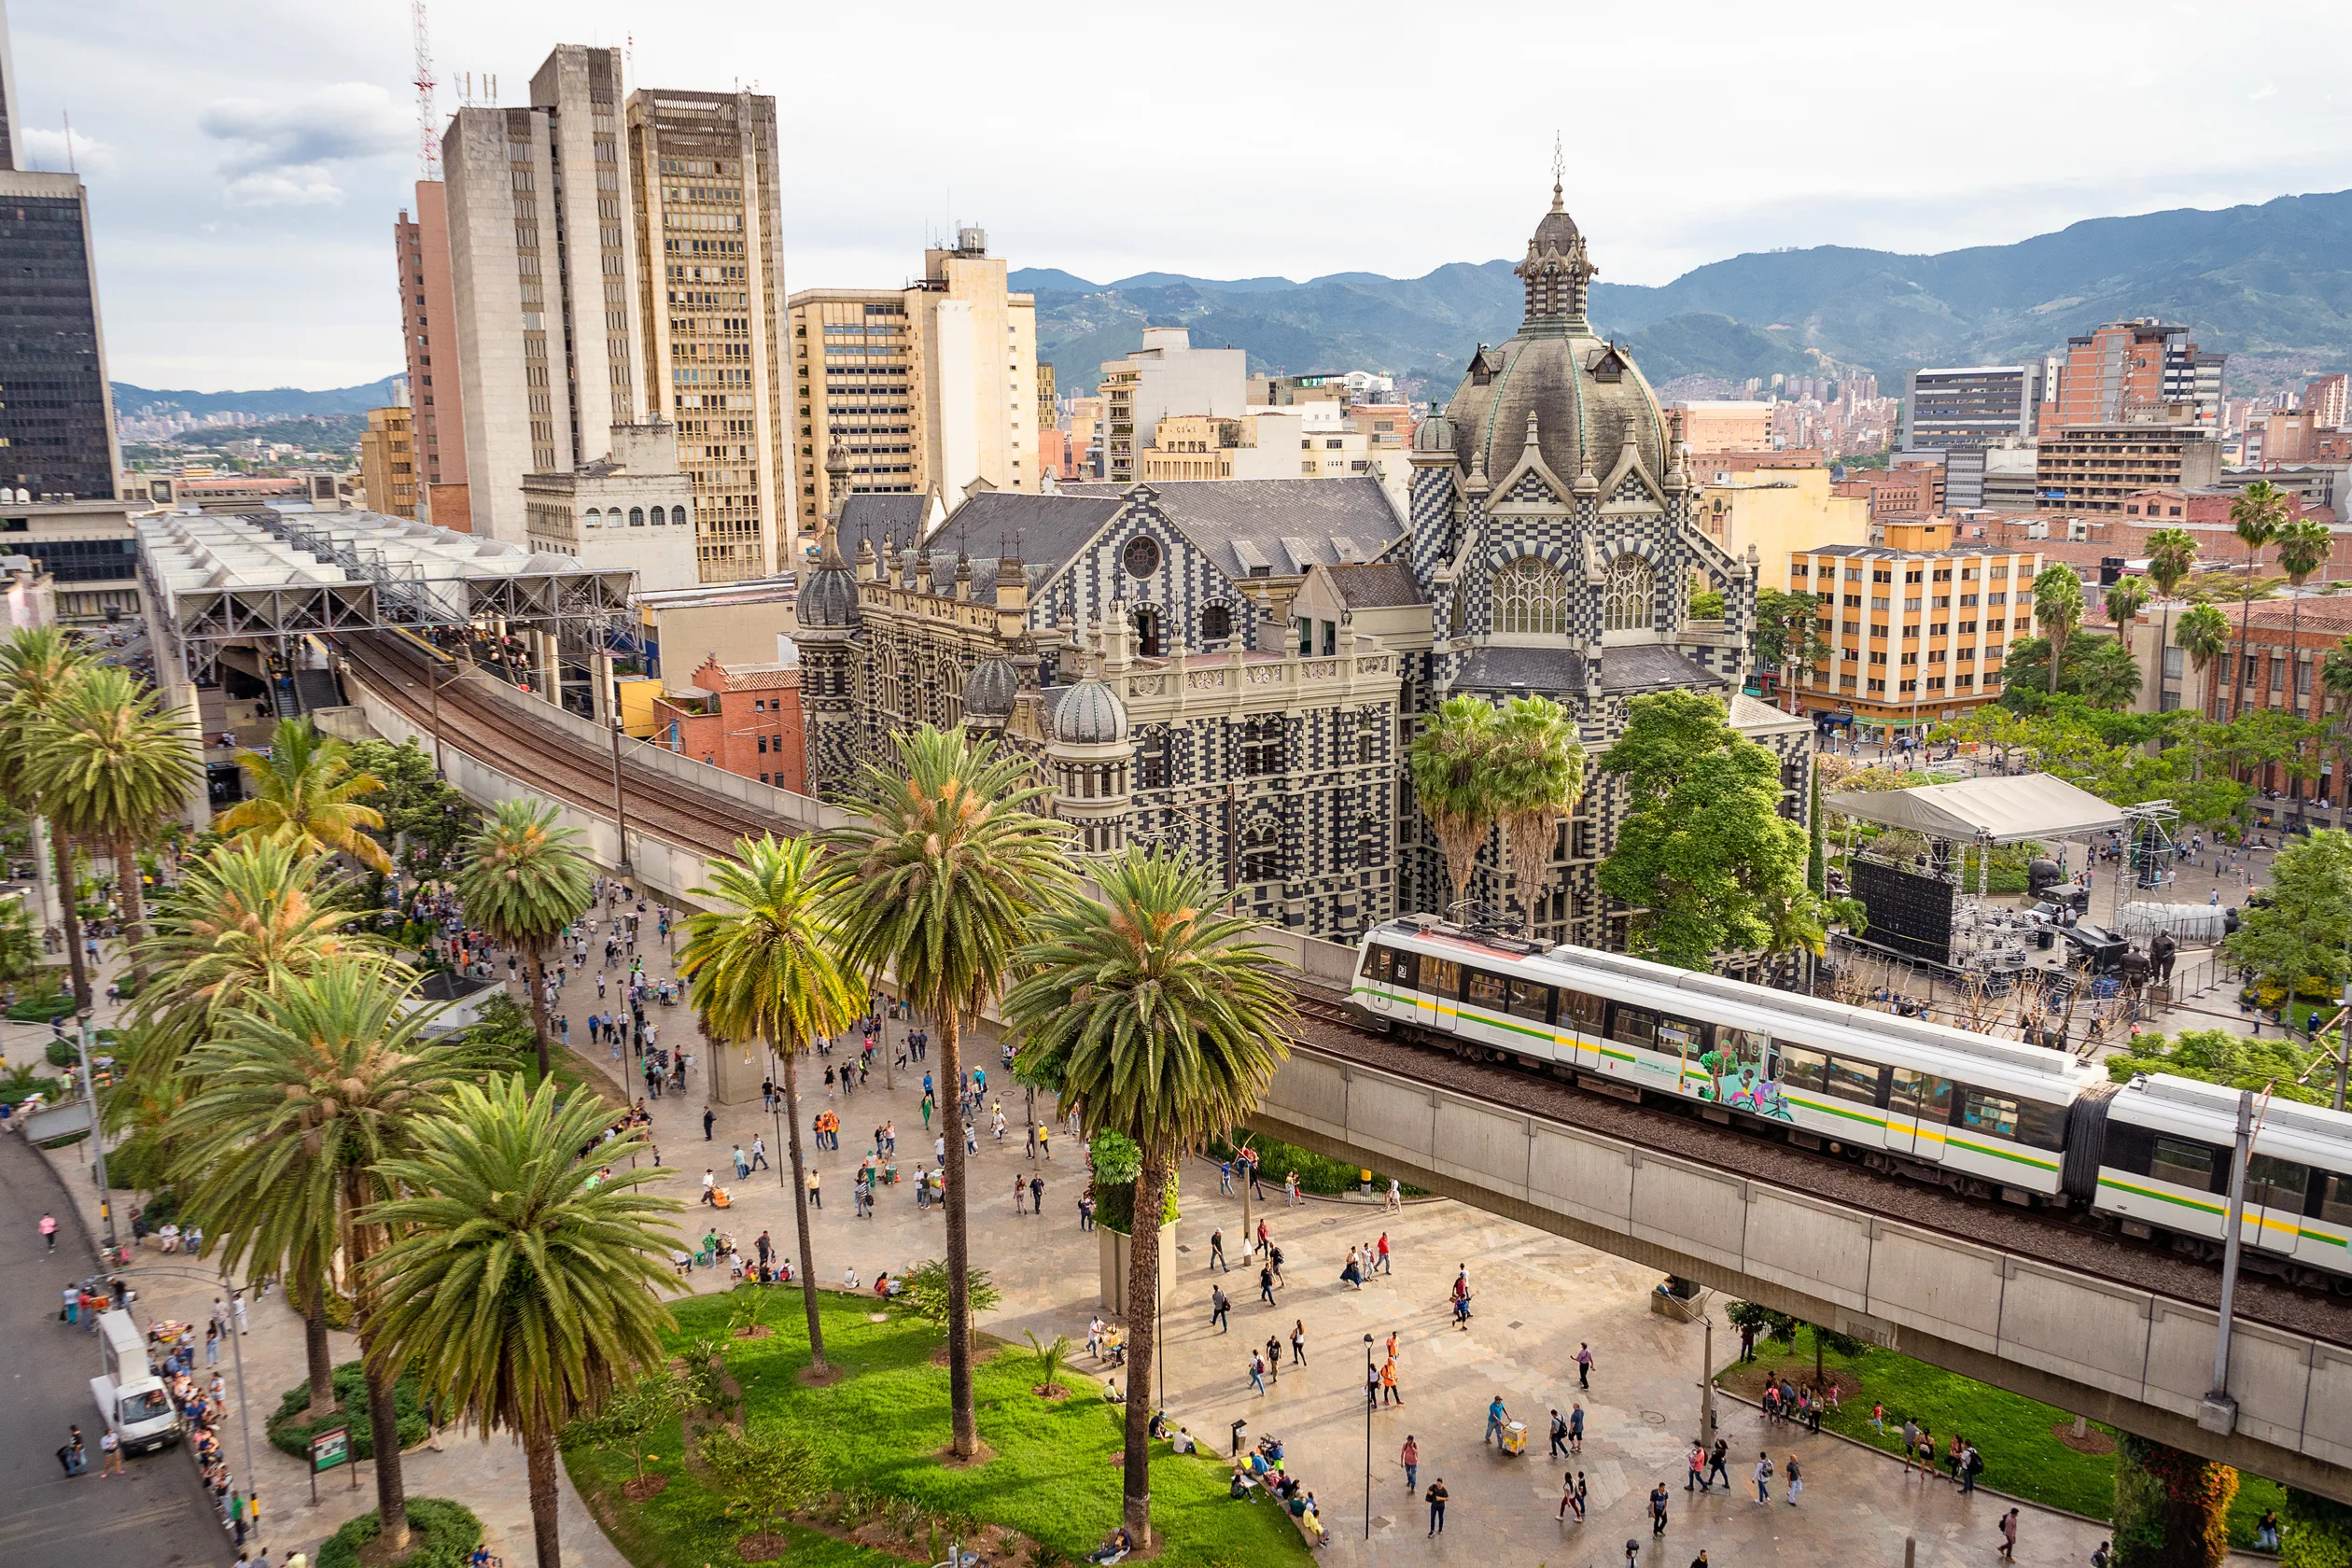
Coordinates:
(2276,1183)
(1580,1011)
(1486,990)
(1857,1081)
(1806,1070)
(1923,1095)
(1393,966)
(2021,1121)
(1634,1026)
(2182,1163)
(1531,1001)
(2335,1200)
(1441,976)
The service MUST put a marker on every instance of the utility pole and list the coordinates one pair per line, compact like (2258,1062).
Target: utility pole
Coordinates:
(2219,1411)
(1706,1383)
(620,810)
(97,1142)
(432,684)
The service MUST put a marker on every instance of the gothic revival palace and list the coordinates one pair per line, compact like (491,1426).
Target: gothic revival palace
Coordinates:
(1238,665)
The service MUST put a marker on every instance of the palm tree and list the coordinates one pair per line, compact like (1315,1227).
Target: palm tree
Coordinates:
(1539,770)
(768,969)
(2255,517)
(37,664)
(2125,597)
(2172,556)
(524,1284)
(937,877)
(1453,779)
(305,790)
(1162,1019)
(245,920)
(110,765)
(2335,679)
(2303,546)
(306,1096)
(2205,637)
(525,881)
(2058,605)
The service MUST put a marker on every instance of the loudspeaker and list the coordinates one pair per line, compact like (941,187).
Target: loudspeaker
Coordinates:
(1908,912)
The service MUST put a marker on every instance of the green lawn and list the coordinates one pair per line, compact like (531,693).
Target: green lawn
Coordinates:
(2021,1455)
(881,1429)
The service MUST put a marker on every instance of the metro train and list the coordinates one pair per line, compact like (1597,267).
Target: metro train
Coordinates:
(1987,1117)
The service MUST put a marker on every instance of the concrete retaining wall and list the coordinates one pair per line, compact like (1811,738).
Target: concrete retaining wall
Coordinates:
(2128,1357)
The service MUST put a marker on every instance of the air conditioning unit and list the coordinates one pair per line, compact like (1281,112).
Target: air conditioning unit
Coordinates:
(2037,529)
(2078,529)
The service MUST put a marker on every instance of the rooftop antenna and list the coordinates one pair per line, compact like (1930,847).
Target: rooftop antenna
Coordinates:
(427,142)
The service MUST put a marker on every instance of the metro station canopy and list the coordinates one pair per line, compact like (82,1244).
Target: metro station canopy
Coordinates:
(1985,810)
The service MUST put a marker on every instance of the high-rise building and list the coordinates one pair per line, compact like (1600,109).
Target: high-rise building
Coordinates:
(539,239)
(928,388)
(1964,406)
(57,432)
(1167,375)
(709,274)
(2126,371)
(2099,467)
(428,322)
(2329,400)
(387,462)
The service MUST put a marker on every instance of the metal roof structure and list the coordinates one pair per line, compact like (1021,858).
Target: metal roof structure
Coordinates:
(267,574)
(1996,810)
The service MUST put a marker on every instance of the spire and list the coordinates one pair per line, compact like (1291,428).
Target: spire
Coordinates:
(1560,175)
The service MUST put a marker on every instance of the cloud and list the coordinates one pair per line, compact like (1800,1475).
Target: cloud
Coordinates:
(49,151)
(282,151)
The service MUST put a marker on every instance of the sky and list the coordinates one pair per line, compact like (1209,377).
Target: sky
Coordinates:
(246,160)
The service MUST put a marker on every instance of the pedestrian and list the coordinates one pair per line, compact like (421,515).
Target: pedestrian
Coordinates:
(49,1230)
(1216,1251)
(816,1198)
(1575,1427)
(1409,1457)
(1371,1386)
(1436,1499)
(743,1165)
(1219,1307)
(2008,1536)
(1658,1508)
(75,1458)
(1020,1194)
(1037,1195)
(1877,1417)
(759,1154)
(1972,1465)
(1394,1203)
(1298,1342)
(711,1182)
(111,1446)
(1389,1393)
(1697,1481)
(1381,1256)
(1796,1480)
(2099,1556)
(1584,1365)
(708,1119)
(1559,1435)
(1763,1476)
(1568,1495)
(1266,1284)
(1496,1415)
(1257,1372)
(1718,1461)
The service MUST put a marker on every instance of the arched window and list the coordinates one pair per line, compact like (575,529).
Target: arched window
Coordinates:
(1216,623)
(1628,596)
(1146,620)
(637,517)
(1261,852)
(657,519)
(1531,596)
(593,519)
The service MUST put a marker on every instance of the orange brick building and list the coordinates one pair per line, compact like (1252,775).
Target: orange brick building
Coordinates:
(743,718)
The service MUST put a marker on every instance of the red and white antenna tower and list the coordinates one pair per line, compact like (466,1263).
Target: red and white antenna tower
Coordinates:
(427,126)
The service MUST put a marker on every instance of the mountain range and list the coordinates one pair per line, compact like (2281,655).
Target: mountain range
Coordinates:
(2270,284)
(277,403)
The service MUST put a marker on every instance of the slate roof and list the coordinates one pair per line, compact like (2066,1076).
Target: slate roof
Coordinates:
(1289,524)
(1552,670)
(1377,586)
(1650,667)
(1045,531)
(873,516)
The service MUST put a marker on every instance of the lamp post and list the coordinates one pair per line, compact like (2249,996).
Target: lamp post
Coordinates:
(620,810)
(432,685)
(97,1142)
(1368,1376)
(236,1347)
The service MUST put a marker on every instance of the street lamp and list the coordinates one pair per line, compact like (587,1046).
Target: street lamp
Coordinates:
(97,1143)
(1368,1376)
(236,1347)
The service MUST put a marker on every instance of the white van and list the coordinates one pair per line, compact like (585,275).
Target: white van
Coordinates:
(131,1399)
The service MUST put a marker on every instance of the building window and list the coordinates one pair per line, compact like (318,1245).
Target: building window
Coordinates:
(1216,623)
(1146,619)
(1627,597)
(1262,853)
(1262,746)
(1141,557)
(637,517)
(1531,596)
(593,519)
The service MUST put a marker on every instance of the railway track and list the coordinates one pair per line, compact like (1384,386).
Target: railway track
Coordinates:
(559,764)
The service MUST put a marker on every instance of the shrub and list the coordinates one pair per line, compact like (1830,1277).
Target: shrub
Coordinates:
(163,1208)
(42,1010)
(290,1433)
(2316,1533)
(62,1052)
(443,1535)
(1317,1173)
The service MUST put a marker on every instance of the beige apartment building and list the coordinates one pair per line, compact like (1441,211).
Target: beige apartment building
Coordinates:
(387,462)
(703,168)
(930,387)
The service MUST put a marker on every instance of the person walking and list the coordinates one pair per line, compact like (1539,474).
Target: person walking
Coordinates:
(1575,1427)
(1219,1307)
(709,1118)
(1037,1195)
(1257,1372)
(1266,1284)
(1658,1508)
(710,1180)
(1389,1391)
(759,1153)
(1796,1480)
(1274,1358)
(1718,1461)
(1216,1251)
(1436,1499)
(1380,1256)
(1568,1495)
(1020,1194)
(742,1165)
(1763,1478)
(1559,1435)
(1298,1342)
(1496,1415)
(1697,1481)
(2008,1536)
(49,1230)
(111,1446)
(1409,1457)
(1584,1365)
(816,1198)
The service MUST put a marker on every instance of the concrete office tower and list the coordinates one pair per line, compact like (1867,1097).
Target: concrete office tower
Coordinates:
(429,332)
(928,387)
(57,430)
(1167,375)
(709,285)
(540,257)
(1960,410)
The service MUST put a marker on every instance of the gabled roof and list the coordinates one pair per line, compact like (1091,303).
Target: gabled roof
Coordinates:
(1650,667)
(1044,532)
(1282,525)
(1374,585)
(900,517)
(1546,670)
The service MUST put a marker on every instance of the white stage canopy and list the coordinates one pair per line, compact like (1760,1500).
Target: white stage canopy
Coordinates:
(1985,810)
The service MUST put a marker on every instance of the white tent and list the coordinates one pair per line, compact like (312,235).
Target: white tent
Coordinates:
(1985,810)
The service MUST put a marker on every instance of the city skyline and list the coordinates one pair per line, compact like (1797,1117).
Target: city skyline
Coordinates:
(288,160)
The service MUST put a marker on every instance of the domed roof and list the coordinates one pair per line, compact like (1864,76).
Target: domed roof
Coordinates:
(1434,433)
(989,690)
(1090,714)
(1587,399)
(829,600)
